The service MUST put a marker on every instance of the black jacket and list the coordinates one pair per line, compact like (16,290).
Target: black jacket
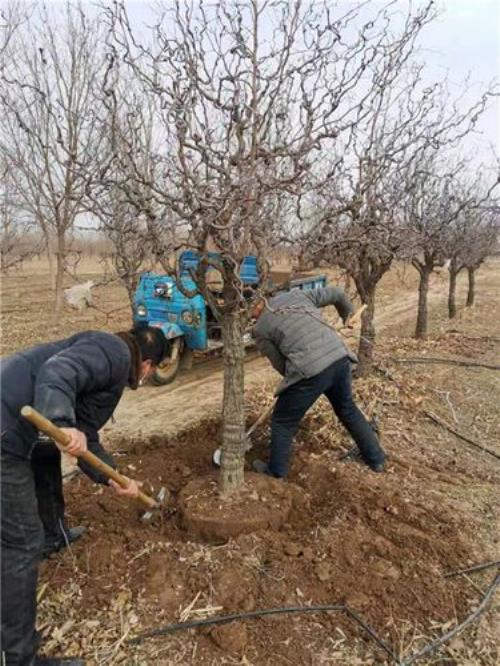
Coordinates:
(76,382)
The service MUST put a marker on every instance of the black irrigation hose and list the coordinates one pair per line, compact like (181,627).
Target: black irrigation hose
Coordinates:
(478,567)
(342,608)
(441,422)
(431,647)
(225,619)
(447,426)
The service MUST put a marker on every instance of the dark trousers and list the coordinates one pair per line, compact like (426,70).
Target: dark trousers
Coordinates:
(32,504)
(22,544)
(336,383)
(46,465)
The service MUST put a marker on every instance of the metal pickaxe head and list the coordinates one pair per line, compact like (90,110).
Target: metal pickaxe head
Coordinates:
(159,503)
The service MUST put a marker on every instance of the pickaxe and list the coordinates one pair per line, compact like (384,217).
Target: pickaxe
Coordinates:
(59,436)
(267,411)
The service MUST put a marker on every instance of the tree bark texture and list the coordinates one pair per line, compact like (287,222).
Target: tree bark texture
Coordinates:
(367,335)
(471,291)
(60,260)
(452,290)
(233,421)
(50,259)
(422,313)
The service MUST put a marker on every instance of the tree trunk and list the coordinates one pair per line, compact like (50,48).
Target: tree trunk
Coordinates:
(452,290)
(367,334)
(59,285)
(471,272)
(50,259)
(233,421)
(130,284)
(423,290)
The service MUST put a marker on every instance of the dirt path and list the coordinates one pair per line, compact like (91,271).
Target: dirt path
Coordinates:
(198,393)
(194,395)
(380,543)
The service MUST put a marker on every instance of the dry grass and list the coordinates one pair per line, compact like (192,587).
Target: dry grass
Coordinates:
(465,397)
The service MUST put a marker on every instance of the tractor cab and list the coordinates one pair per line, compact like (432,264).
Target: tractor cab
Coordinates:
(188,321)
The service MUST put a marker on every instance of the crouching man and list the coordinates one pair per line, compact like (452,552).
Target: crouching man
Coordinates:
(313,360)
(76,383)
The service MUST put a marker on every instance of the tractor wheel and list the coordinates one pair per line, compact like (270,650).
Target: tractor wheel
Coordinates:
(167,371)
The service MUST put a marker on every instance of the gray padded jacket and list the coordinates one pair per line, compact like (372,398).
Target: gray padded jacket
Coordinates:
(293,335)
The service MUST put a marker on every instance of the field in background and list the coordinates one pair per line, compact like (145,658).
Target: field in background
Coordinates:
(381,543)
(26,300)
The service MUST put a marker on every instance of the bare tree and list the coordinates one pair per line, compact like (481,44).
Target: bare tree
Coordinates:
(464,233)
(138,226)
(434,203)
(482,241)
(12,16)
(49,131)
(357,221)
(17,239)
(247,95)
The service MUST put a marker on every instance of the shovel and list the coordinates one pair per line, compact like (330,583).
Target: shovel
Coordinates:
(267,411)
(354,318)
(59,436)
(248,444)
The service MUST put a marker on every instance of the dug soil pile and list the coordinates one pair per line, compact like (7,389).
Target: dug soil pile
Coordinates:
(378,542)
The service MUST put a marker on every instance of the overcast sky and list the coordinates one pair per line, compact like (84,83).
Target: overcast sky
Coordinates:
(464,40)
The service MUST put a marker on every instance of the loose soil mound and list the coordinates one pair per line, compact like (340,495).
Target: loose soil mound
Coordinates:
(262,503)
(380,542)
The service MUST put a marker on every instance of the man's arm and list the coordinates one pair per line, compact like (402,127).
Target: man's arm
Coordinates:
(331,296)
(132,490)
(269,349)
(95,447)
(82,368)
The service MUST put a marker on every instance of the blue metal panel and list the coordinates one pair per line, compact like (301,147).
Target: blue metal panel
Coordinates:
(249,273)
(189,259)
(312,282)
(164,302)
(170,331)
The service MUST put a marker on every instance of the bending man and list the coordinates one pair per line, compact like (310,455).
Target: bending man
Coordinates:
(313,360)
(76,383)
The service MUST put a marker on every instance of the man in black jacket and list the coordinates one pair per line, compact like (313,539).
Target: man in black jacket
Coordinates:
(76,383)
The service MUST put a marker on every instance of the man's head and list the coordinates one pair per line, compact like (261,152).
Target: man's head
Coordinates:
(258,307)
(153,346)
(258,304)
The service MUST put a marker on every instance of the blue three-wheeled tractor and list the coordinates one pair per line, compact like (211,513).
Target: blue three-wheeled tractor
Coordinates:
(190,322)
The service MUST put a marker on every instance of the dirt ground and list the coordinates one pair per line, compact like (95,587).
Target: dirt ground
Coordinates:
(379,543)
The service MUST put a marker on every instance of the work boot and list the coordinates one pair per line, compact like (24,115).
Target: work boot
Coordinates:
(54,545)
(354,454)
(58,661)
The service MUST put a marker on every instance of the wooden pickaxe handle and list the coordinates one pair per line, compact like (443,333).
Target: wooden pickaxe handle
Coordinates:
(260,419)
(59,436)
(356,316)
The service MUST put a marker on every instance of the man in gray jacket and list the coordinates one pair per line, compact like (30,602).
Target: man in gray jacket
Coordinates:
(313,360)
